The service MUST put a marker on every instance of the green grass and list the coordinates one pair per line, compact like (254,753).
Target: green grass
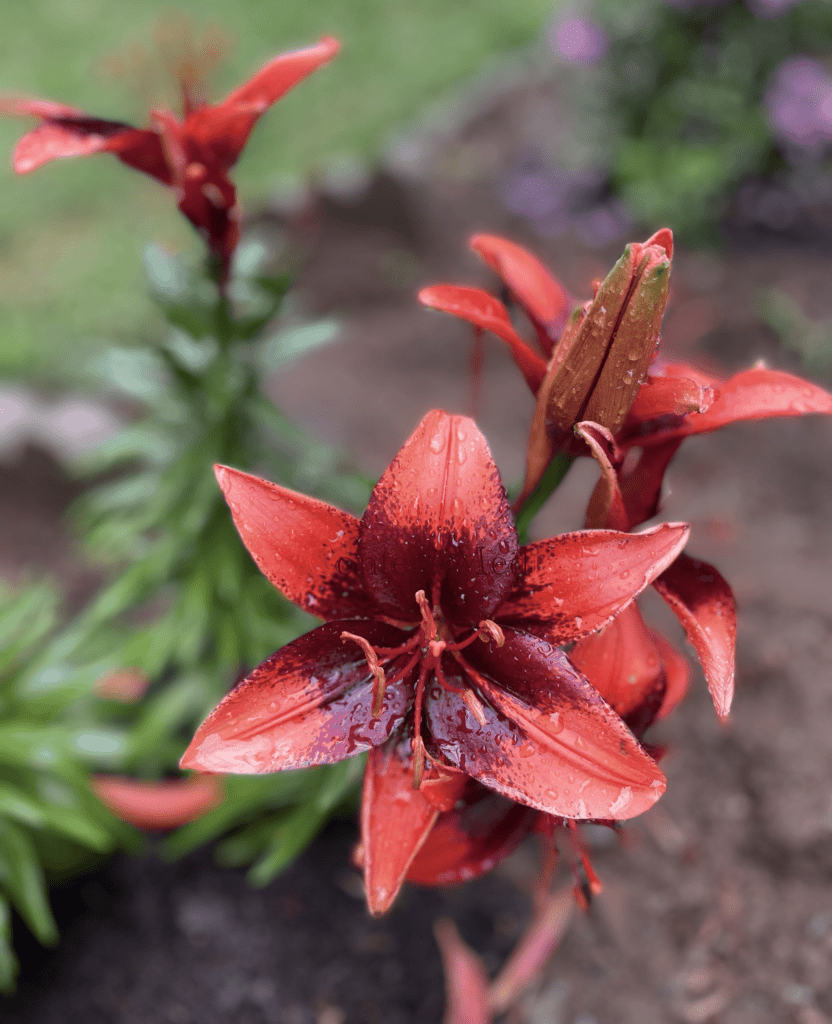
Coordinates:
(71,233)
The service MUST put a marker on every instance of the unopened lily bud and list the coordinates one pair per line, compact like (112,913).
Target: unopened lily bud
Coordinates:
(602,359)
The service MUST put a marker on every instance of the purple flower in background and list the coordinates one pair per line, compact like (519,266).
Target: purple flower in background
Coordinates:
(769,8)
(799,103)
(578,39)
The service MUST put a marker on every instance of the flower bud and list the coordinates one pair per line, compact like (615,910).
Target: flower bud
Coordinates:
(602,358)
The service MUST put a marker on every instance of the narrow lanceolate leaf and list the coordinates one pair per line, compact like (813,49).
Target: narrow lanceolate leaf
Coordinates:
(575,583)
(548,739)
(466,983)
(395,820)
(305,547)
(310,703)
(540,294)
(157,804)
(704,604)
(483,310)
(439,521)
(8,961)
(755,394)
(23,880)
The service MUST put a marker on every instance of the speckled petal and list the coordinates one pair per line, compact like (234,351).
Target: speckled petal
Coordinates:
(310,703)
(704,604)
(438,521)
(304,547)
(549,740)
(575,583)
(395,820)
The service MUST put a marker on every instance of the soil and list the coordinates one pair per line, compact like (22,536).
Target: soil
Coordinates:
(717,906)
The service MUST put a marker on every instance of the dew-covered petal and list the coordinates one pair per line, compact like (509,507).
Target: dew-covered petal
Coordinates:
(483,310)
(468,841)
(704,604)
(157,804)
(606,510)
(668,396)
(540,294)
(395,820)
(310,703)
(575,583)
(754,394)
(439,521)
(75,136)
(641,484)
(226,127)
(625,666)
(549,739)
(304,547)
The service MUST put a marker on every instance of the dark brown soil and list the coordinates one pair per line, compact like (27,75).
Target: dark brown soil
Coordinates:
(718,907)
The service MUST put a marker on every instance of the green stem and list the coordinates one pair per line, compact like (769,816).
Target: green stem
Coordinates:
(549,482)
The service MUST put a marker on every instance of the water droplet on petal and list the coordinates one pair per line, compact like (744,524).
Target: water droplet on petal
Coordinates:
(437,442)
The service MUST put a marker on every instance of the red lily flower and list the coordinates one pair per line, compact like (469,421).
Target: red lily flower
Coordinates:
(192,156)
(655,403)
(440,650)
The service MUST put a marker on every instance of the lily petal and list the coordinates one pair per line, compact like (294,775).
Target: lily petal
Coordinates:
(224,129)
(606,510)
(468,842)
(395,821)
(704,604)
(677,673)
(540,294)
(668,396)
(575,583)
(549,739)
(310,703)
(158,805)
(624,665)
(439,521)
(304,547)
(483,310)
(754,394)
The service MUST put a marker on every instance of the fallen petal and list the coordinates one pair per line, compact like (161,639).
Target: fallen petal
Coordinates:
(158,805)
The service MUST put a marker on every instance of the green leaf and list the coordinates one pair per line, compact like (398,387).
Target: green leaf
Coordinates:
(22,879)
(8,961)
(280,349)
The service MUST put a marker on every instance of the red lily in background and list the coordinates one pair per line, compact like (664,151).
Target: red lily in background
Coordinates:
(192,156)
(440,650)
(584,373)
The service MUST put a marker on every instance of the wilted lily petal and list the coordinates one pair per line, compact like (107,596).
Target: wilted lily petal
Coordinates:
(704,604)
(395,821)
(310,703)
(575,583)
(304,547)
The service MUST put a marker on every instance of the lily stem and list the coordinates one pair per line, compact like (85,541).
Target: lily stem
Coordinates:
(549,482)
